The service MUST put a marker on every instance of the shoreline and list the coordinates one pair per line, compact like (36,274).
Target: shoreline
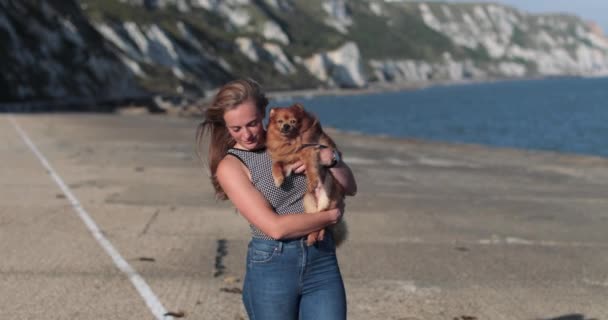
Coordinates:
(464,145)
(459,144)
(187,105)
(154,105)
(378,88)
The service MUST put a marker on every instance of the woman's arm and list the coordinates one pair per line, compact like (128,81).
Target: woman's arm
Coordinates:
(341,171)
(233,176)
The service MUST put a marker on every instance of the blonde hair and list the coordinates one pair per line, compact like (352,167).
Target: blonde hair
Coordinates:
(227,98)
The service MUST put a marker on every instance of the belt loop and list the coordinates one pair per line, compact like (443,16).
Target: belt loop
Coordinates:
(280,247)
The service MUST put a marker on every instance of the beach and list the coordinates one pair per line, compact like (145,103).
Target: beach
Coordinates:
(437,230)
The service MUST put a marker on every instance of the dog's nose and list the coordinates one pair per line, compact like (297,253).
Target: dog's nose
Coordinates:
(285,128)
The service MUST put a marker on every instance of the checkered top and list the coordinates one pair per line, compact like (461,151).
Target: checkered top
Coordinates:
(284,200)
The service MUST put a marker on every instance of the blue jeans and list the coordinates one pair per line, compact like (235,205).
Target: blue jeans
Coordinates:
(288,280)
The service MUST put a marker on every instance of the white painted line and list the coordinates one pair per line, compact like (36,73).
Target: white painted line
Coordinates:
(140,284)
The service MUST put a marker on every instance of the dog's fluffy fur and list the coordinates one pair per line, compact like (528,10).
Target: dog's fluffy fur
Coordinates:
(291,131)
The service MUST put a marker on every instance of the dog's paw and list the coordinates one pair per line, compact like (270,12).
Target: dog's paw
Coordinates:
(289,170)
(278,181)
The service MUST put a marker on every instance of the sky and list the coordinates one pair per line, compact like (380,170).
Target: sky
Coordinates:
(594,10)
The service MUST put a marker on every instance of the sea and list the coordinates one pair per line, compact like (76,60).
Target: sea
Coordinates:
(567,115)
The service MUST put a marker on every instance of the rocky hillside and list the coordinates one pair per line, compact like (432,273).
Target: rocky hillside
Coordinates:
(67,49)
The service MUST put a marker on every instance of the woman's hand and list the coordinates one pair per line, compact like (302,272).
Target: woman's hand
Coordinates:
(341,171)
(337,213)
(298,167)
(326,156)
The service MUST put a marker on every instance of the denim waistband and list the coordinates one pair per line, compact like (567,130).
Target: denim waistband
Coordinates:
(289,243)
(283,243)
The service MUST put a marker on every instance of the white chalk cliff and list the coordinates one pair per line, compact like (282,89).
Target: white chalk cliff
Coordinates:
(119,48)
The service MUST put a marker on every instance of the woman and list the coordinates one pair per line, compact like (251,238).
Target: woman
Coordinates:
(285,278)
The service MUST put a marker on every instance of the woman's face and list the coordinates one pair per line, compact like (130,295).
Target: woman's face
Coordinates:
(244,124)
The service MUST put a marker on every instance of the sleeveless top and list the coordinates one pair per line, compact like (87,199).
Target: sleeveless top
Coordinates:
(285,199)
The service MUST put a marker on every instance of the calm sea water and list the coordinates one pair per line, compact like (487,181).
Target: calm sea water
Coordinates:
(565,115)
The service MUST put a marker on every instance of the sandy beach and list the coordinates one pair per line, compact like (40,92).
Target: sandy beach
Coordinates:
(438,231)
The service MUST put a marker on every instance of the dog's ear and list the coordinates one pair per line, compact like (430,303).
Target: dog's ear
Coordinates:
(298,107)
(272,110)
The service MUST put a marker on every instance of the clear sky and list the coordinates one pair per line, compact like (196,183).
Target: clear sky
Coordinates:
(594,10)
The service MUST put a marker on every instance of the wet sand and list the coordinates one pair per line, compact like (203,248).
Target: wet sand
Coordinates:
(438,231)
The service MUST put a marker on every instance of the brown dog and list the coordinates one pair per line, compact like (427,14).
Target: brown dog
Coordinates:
(294,134)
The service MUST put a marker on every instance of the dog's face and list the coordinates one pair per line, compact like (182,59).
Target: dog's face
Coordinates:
(287,121)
